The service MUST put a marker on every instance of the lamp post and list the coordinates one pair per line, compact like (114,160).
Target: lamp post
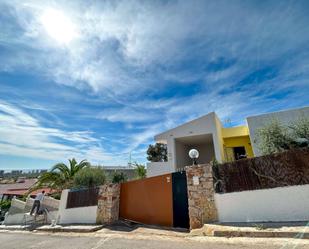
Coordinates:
(194,154)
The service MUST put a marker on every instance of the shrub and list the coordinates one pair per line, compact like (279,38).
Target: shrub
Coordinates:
(119,177)
(276,137)
(300,132)
(5,205)
(273,137)
(56,195)
(89,177)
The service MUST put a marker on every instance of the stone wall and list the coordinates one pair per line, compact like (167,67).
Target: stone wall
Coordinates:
(108,203)
(201,201)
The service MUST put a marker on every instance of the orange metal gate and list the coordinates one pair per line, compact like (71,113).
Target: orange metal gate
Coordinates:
(149,201)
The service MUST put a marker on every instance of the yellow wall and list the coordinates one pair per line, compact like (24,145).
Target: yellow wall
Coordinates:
(236,137)
(236,131)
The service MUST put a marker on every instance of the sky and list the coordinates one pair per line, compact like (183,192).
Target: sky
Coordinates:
(97,80)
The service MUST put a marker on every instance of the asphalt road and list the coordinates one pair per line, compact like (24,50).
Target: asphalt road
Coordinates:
(48,241)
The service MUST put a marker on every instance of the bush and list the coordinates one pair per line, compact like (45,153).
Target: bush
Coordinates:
(276,137)
(273,137)
(300,129)
(119,177)
(5,205)
(140,170)
(56,195)
(89,177)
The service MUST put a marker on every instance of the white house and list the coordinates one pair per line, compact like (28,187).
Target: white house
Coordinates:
(213,141)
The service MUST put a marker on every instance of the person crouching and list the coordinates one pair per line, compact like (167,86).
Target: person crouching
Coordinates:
(37,202)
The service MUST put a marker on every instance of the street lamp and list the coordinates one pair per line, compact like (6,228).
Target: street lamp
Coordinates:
(193,154)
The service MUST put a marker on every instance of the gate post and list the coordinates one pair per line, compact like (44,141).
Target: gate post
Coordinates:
(108,203)
(202,208)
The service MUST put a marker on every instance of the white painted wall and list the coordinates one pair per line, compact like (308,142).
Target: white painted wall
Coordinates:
(81,215)
(159,168)
(208,124)
(285,117)
(277,204)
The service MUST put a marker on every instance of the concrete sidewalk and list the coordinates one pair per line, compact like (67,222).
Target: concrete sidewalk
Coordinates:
(70,228)
(255,230)
(48,228)
(298,230)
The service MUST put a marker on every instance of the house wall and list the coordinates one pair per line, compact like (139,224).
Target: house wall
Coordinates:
(206,153)
(159,168)
(209,124)
(218,140)
(236,131)
(285,117)
(236,142)
(277,204)
(86,215)
(182,158)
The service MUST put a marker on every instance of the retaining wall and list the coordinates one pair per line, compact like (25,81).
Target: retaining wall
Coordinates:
(276,204)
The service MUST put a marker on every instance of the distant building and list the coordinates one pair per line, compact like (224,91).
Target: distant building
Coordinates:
(19,189)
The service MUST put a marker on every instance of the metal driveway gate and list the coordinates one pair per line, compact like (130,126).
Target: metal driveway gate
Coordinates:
(148,200)
(160,200)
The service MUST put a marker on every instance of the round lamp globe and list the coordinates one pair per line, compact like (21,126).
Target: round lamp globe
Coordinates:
(193,153)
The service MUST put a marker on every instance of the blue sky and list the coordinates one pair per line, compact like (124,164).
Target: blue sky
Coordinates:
(98,79)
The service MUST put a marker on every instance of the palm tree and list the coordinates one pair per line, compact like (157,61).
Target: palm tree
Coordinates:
(60,176)
(140,170)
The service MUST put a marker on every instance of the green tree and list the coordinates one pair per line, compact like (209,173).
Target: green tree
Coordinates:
(140,170)
(157,152)
(300,128)
(89,177)
(273,137)
(60,176)
(119,177)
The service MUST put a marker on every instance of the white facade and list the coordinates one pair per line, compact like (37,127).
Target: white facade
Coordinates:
(203,133)
(284,117)
(277,204)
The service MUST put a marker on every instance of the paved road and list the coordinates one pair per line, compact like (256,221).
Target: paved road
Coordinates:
(48,241)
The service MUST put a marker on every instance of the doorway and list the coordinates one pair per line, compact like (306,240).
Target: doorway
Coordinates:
(239,152)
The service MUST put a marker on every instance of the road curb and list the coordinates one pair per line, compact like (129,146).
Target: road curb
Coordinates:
(261,234)
(70,229)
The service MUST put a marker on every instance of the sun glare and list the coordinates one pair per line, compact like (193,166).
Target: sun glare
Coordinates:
(58,26)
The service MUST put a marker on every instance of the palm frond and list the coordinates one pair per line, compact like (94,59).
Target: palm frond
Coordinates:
(61,167)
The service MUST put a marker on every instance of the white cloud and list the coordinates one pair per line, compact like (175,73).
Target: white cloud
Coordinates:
(22,135)
(129,45)
(129,54)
